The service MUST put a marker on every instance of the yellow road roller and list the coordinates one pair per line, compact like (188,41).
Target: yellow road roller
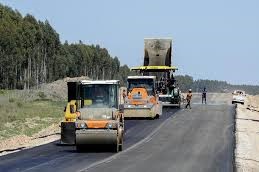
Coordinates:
(93,115)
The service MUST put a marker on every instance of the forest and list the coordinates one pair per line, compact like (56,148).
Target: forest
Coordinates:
(31,54)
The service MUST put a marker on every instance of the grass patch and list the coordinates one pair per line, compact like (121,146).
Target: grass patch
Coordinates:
(2,92)
(28,117)
(11,100)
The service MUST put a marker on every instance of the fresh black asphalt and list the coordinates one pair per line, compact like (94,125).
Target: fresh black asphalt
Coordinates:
(197,139)
(52,157)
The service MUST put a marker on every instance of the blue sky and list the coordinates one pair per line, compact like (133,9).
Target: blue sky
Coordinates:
(211,39)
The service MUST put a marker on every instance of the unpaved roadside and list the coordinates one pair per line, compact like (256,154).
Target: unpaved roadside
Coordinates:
(55,91)
(247,136)
(20,142)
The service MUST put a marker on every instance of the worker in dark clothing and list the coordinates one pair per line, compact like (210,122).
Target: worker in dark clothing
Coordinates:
(188,99)
(204,96)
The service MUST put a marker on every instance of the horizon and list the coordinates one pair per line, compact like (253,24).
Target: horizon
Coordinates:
(211,40)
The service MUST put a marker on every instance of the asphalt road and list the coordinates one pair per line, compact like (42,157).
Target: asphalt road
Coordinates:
(200,139)
(51,157)
(197,139)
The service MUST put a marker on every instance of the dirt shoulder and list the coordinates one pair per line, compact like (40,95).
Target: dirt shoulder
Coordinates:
(30,118)
(247,135)
(20,142)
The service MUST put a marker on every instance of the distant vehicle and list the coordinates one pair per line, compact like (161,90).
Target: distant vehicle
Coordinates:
(238,97)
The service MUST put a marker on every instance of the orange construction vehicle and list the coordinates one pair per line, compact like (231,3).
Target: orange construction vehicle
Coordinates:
(93,115)
(142,100)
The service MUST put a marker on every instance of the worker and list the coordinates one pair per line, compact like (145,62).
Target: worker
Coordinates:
(204,96)
(188,99)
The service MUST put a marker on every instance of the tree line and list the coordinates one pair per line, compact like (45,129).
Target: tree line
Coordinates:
(31,53)
(186,82)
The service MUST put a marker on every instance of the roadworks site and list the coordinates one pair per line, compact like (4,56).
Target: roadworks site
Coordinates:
(30,118)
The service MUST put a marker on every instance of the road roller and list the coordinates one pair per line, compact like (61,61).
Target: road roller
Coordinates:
(94,115)
(141,100)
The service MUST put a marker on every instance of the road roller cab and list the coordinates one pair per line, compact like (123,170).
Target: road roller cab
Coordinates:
(141,100)
(95,113)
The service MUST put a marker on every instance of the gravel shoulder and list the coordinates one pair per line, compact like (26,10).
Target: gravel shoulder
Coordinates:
(247,136)
(21,142)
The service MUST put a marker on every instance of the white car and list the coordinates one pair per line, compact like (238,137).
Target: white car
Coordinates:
(238,97)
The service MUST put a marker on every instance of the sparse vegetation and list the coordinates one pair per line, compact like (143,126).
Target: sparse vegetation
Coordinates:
(19,116)
(11,100)
(42,95)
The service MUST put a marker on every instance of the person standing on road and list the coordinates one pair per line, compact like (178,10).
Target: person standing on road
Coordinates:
(188,99)
(204,96)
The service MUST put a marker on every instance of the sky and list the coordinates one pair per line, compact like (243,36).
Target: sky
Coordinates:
(212,39)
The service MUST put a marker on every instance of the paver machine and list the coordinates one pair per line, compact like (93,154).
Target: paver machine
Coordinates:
(93,115)
(157,62)
(169,94)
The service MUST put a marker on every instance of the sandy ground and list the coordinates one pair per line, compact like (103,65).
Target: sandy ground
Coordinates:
(247,136)
(55,90)
(20,142)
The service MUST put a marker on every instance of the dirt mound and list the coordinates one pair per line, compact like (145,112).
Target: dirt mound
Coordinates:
(58,89)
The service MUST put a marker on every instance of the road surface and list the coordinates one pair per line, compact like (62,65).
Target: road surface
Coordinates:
(197,139)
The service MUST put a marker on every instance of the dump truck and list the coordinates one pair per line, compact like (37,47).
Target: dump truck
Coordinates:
(157,62)
(141,100)
(93,115)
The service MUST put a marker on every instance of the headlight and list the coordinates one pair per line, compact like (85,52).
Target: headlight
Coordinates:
(129,106)
(81,125)
(111,125)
